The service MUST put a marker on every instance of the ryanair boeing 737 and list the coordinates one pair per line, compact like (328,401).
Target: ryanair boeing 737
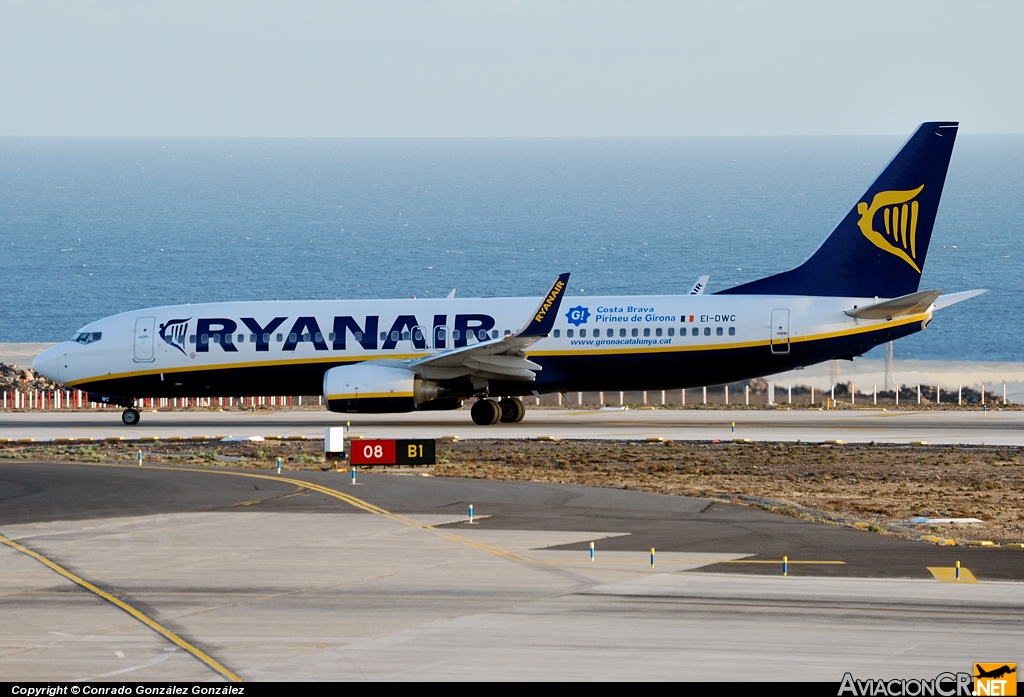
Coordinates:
(858,290)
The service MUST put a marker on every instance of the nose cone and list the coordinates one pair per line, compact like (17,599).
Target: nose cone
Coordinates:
(48,363)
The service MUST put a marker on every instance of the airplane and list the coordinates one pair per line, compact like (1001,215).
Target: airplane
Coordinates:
(859,289)
(996,672)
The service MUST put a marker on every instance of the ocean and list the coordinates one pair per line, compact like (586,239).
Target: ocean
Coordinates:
(90,227)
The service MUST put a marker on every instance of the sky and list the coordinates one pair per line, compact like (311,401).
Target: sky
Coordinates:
(565,68)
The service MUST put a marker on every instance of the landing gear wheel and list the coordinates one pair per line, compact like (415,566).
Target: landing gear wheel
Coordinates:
(130,417)
(512,411)
(485,412)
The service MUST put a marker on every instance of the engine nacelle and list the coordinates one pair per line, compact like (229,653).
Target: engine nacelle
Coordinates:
(368,388)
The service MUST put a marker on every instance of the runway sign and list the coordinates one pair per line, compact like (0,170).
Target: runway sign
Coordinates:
(393,452)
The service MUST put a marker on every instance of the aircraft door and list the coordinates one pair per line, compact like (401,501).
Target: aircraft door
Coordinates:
(144,339)
(780,331)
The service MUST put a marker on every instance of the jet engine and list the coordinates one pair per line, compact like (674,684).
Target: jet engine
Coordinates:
(370,388)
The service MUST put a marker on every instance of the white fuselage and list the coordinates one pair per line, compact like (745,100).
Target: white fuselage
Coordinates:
(181,349)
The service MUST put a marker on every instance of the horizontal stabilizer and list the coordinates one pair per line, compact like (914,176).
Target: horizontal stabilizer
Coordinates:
(913,304)
(954,298)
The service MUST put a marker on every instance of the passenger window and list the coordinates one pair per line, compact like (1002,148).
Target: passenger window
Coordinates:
(583,332)
(332,336)
(732,331)
(241,338)
(456,334)
(636,332)
(319,337)
(383,336)
(671,331)
(719,331)
(440,332)
(266,338)
(494,334)
(252,338)
(417,335)
(508,332)
(611,333)
(568,333)
(647,331)
(280,338)
(192,339)
(358,336)
(695,331)
(657,332)
(482,335)
(558,332)
(622,332)
(707,331)
(394,336)
(204,339)
(405,336)
(216,338)
(292,338)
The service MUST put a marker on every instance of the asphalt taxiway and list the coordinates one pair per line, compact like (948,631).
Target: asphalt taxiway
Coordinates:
(305,576)
(992,427)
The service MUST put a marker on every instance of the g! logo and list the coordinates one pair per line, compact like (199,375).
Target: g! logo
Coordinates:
(899,215)
(578,315)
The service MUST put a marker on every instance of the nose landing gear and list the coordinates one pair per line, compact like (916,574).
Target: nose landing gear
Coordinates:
(130,416)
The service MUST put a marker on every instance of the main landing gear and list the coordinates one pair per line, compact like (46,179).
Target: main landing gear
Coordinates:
(512,410)
(487,412)
(130,416)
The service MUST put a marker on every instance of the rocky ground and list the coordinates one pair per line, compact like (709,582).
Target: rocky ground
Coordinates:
(14,378)
(882,486)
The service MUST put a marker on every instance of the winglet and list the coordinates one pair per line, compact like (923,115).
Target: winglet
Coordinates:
(547,312)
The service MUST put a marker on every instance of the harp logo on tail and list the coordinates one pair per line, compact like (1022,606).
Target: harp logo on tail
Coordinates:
(899,213)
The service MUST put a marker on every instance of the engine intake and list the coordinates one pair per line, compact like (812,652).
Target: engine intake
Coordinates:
(366,388)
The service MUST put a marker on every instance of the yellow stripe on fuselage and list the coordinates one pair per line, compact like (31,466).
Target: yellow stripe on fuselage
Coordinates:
(248,364)
(586,351)
(734,345)
(370,395)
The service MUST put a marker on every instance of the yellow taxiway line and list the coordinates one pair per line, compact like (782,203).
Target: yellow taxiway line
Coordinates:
(346,498)
(140,616)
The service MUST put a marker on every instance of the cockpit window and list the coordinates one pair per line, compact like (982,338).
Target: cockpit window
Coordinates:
(87,337)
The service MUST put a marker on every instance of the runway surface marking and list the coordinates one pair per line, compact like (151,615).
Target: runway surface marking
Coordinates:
(404,520)
(347,498)
(947,574)
(141,617)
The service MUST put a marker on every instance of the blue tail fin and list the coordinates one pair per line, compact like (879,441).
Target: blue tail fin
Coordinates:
(879,247)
